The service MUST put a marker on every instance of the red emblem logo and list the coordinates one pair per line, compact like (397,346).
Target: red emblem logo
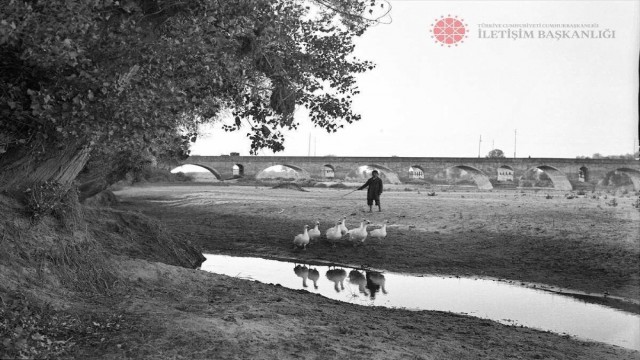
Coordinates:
(448,31)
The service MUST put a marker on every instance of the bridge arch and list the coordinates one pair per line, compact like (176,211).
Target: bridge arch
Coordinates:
(238,170)
(632,174)
(583,174)
(557,177)
(301,173)
(328,171)
(363,171)
(505,173)
(480,178)
(385,172)
(208,168)
(416,172)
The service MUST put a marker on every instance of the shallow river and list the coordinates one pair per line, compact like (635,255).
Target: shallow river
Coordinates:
(499,301)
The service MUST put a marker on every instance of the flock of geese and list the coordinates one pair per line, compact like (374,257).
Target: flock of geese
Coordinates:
(368,284)
(338,232)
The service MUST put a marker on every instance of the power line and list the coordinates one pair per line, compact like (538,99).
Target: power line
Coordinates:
(515,142)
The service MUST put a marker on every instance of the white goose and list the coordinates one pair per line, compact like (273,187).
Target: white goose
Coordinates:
(315,232)
(334,234)
(359,234)
(343,227)
(380,233)
(302,240)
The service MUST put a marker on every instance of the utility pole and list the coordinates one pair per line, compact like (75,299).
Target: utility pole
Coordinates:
(479,143)
(309,150)
(315,145)
(493,144)
(515,142)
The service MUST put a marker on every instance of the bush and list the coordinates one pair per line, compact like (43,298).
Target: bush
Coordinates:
(306,182)
(338,186)
(543,183)
(321,185)
(416,182)
(464,182)
(289,185)
(45,199)
(180,176)
(155,175)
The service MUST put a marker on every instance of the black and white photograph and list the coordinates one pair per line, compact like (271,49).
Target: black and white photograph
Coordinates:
(320,179)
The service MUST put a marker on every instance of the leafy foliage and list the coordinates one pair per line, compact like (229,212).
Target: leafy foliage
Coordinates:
(627,156)
(495,154)
(30,331)
(142,75)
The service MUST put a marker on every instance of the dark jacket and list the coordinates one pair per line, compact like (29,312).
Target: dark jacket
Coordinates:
(375,187)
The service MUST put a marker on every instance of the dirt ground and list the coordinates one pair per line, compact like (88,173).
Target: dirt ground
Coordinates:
(581,244)
(159,308)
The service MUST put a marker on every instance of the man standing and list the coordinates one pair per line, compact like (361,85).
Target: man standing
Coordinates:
(375,189)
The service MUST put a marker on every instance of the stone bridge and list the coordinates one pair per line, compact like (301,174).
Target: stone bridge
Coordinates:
(564,173)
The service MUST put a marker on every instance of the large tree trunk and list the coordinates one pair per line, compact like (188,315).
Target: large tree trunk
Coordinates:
(20,168)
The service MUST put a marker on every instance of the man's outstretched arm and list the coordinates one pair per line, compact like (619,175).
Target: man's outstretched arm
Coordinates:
(365,185)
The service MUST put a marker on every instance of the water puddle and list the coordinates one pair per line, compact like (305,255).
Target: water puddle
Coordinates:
(499,301)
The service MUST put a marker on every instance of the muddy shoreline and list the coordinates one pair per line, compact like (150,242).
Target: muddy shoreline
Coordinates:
(620,303)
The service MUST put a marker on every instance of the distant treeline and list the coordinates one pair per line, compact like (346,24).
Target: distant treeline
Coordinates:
(600,156)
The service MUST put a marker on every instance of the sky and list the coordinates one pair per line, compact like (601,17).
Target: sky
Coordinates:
(538,96)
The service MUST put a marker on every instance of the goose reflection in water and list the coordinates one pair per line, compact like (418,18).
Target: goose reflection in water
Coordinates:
(303,272)
(314,275)
(375,282)
(337,276)
(356,278)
